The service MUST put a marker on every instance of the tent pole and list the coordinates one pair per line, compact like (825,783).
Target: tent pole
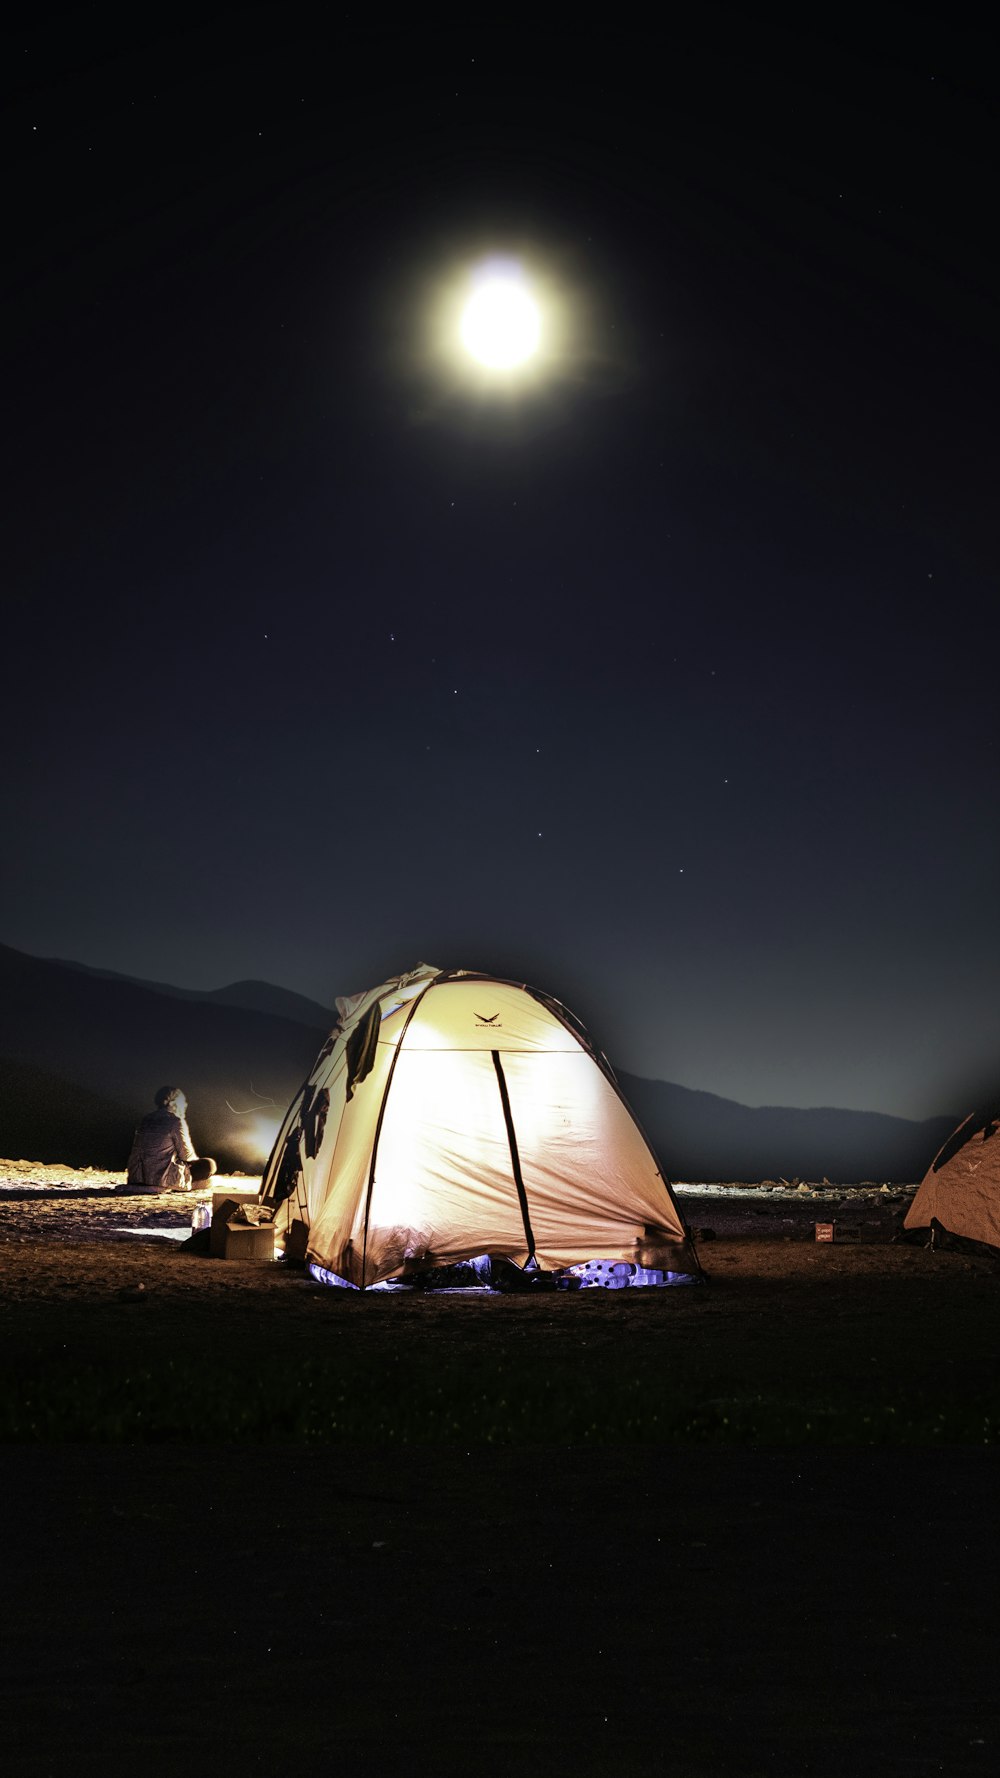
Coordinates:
(515,1159)
(378,1128)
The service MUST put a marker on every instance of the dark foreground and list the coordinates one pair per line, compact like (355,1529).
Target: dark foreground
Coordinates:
(535,1610)
(746,1529)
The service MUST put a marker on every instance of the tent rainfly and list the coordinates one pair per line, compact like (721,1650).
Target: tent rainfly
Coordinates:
(451,1115)
(961,1188)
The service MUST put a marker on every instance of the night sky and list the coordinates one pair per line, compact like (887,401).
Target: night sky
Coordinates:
(667,681)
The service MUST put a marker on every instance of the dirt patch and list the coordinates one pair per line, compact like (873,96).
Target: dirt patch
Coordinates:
(113,1330)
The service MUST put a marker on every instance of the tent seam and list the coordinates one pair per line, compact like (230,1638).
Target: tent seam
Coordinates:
(378,1126)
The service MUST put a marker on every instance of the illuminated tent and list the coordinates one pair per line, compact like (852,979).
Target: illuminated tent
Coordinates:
(961,1189)
(451,1115)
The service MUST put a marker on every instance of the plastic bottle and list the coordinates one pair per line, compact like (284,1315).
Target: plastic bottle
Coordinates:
(201,1216)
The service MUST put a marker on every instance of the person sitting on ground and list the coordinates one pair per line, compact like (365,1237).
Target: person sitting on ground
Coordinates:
(162,1146)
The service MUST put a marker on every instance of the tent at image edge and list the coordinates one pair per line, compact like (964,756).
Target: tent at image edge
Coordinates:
(451,1115)
(961,1189)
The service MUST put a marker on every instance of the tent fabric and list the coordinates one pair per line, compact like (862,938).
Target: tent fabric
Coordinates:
(451,1114)
(961,1189)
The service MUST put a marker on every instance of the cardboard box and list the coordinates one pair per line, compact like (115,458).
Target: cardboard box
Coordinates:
(233,1197)
(243,1241)
(238,1240)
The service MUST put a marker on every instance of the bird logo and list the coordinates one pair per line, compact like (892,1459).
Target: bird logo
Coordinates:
(483,1020)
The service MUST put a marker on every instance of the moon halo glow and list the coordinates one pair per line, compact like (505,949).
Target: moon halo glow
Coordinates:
(502,331)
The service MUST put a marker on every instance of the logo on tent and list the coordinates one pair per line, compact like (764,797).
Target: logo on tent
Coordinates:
(483,1020)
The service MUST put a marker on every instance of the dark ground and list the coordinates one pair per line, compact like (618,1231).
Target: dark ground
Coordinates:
(743,1529)
(526,1610)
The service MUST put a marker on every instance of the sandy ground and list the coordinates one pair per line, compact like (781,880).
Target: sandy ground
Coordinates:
(704,1603)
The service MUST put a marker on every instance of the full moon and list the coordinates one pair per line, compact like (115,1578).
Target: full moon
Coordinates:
(501,325)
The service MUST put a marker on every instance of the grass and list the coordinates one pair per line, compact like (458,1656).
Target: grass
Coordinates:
(344,1399)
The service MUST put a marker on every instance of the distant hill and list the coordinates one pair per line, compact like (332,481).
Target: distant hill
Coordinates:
(87,1049)
(117,1041)
(253,996)
(699,1136)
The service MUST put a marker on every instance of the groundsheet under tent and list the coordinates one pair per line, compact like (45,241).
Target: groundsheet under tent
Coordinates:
(486,1272)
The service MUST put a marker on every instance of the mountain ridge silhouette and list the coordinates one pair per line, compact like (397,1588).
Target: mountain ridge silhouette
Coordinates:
(82,1051)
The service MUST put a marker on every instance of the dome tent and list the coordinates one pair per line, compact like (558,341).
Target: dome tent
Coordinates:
(961,1189)
(451,1114)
